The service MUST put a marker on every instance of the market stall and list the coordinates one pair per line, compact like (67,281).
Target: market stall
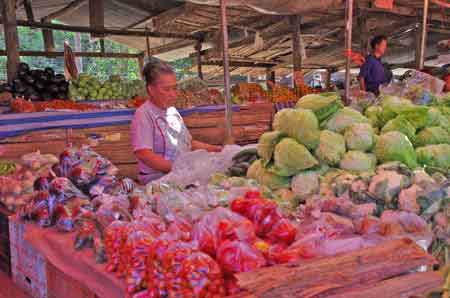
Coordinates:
(332,201)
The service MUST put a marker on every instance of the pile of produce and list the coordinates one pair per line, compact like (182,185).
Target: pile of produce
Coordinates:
(280,93)
(194,92)
(87,87)
(170,241)
(248,92)
(390,162)
(38,84)
(20,105)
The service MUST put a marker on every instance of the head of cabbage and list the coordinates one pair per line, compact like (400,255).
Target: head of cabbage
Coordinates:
(395,146)
(401,124)
(434,156)
(373,113)
(259,173)
(359,136)
(323,105)
(357,161)
(266,145)
(331,148)
(344,118)
(299,124)
(432,136)
(291,157)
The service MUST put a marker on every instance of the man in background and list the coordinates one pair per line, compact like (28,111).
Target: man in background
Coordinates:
(373,73)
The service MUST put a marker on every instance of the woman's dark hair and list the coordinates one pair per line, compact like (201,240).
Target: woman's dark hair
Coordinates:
(154,68)
(377,40)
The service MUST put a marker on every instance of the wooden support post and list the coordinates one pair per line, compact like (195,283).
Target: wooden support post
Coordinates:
(11,38)
(28,10)
(49,42)
(102,45)
(97,16)
(198,48)
(141,64)
(328,79)
(348,46)
(270,78)
(226,74)
(363,32)
(423,37)
(147,42)
(296,51)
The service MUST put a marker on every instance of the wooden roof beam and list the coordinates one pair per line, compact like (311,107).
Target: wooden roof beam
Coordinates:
(106,31)
(70,8)
(160,20)
(28,10)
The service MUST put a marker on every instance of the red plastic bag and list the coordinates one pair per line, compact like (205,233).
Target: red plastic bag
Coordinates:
(137,250)
(238,256)
(116,235)
(219,225)
(385,4)
(282,231)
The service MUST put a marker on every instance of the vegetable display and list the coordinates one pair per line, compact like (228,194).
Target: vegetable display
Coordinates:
(38,84)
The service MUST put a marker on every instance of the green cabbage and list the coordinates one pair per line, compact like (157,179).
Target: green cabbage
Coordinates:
(416,115)
(266,145)
(323,105)
(401,124)
(291,157)
(395,146)
(373,113)
(434,156)
(331,148)
(359,136)
(432,136)
(342,119)
(306,183)
(299,124)
(257,172)
(357,161)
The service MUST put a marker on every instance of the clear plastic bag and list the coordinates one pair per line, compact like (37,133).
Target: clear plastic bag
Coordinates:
(219,225)
(361,100)
(239,256)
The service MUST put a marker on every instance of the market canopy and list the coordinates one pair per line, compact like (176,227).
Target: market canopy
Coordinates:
(287,7)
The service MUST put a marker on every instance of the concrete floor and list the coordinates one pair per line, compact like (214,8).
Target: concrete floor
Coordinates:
(8,289)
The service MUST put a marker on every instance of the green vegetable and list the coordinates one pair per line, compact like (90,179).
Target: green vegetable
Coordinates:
(401,124)
(416,115)
(266,145)
(357,161)
(373,113)
(343,119)
(266,178)
(306,183)
(291,157)
(323,105)
(359,136)
(331,148)
(432,136)
(395,146)
(299,124)
(434,156)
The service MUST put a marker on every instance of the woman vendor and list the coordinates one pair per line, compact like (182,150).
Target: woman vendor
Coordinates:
(158,133)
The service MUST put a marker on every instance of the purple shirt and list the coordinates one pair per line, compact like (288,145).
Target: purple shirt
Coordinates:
(373,73)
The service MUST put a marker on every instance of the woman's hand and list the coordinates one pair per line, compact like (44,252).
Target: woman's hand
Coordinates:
(214,148)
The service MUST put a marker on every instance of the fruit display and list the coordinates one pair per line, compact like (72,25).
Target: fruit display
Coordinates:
(280,93)
(20,105)
(87,87)
(194,92)
(248,92)
(38,84)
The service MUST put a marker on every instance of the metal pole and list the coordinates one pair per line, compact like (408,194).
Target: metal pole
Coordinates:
(348,46)
(226,74)
(423,40)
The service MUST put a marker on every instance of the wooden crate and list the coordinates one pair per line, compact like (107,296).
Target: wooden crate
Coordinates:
(60,285)
(5,252)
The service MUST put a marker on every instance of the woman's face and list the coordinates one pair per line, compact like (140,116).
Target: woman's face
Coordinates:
(163,91)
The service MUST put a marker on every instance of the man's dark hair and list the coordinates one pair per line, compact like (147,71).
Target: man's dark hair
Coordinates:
(377,40)
(154,68)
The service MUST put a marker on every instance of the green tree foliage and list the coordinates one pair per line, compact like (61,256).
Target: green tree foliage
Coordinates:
(31,39)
